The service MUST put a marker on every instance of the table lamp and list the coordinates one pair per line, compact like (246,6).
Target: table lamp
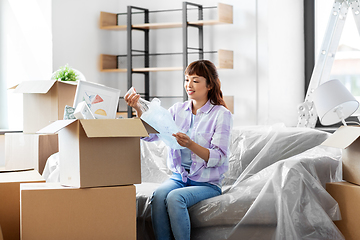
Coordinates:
(334,103)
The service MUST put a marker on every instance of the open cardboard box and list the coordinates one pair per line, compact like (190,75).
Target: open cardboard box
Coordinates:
(99,152)
(10,200)
(51,211)
(44,101)
(347,138)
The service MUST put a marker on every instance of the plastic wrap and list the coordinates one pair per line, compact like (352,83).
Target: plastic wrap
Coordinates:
(51,171)
(162,121)
(274,189)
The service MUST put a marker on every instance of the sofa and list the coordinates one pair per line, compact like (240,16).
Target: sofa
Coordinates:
(274,189)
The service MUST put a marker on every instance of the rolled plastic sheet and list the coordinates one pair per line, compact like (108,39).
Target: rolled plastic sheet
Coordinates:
(274,189)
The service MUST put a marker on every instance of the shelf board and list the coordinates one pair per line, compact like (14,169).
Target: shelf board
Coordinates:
(108,63)
(153,69)
(123,114)
(229,100)
(225,59)
(157,69)
(225,16)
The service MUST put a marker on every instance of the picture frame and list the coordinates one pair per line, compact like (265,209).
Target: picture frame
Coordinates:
(101,100)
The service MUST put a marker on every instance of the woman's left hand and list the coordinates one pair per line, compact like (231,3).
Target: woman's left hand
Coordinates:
(183,139)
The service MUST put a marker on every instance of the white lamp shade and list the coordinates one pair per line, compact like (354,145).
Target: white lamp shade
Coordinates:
(328,97)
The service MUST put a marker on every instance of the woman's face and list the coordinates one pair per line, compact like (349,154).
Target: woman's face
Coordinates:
(196,88)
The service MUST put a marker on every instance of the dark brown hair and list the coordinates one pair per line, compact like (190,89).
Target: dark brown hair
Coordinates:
(207,70)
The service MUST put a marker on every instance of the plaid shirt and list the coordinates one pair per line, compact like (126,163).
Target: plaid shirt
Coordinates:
(211,130)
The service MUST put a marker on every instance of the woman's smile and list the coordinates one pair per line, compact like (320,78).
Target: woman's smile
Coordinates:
(190,92)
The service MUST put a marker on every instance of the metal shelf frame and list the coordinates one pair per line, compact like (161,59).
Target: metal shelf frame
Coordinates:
(145,53)
(130,51)
(110,63)
(185,26)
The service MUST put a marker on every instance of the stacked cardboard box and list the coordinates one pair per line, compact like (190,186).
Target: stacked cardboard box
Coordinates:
(10,200)
(99,163)
(96,198)
(347,193)
(1,236)
(52,211)
(44,102)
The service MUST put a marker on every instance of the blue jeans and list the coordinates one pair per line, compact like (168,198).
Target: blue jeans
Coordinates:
(170,203)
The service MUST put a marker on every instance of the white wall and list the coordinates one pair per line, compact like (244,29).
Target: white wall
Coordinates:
(267,79)
(2,150)
(25,52)
(281,60)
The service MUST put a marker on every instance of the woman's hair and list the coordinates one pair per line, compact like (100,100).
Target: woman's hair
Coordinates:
(207,70)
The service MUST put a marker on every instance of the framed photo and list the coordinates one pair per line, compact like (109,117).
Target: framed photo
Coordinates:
(101,100)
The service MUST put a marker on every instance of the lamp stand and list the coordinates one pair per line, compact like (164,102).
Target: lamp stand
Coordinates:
(340,114)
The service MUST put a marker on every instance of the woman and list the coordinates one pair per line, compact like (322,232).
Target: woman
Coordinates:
(205,124)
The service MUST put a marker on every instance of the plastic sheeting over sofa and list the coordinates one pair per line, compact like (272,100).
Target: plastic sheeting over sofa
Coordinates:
(274,189)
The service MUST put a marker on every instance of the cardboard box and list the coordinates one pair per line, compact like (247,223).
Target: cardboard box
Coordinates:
(1,236)
(44,102)
(99,152)
(50,211)
(29,150)
(347,138)
(347,195)
(10,200)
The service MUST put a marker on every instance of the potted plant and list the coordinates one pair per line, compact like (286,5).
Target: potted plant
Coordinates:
(66,73)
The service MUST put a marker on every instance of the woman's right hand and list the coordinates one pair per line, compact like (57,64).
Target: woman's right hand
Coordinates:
(132,100)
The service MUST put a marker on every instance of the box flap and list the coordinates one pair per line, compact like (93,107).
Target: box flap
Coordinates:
(343,137)
(43,186)
(21,176)
(69,82)
(56,126)
(148,128)
(36,86)
(130,127)
(6,170)
(13,87)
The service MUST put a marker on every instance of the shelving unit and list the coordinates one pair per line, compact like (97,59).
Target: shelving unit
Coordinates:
(110,63)
(108,21)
